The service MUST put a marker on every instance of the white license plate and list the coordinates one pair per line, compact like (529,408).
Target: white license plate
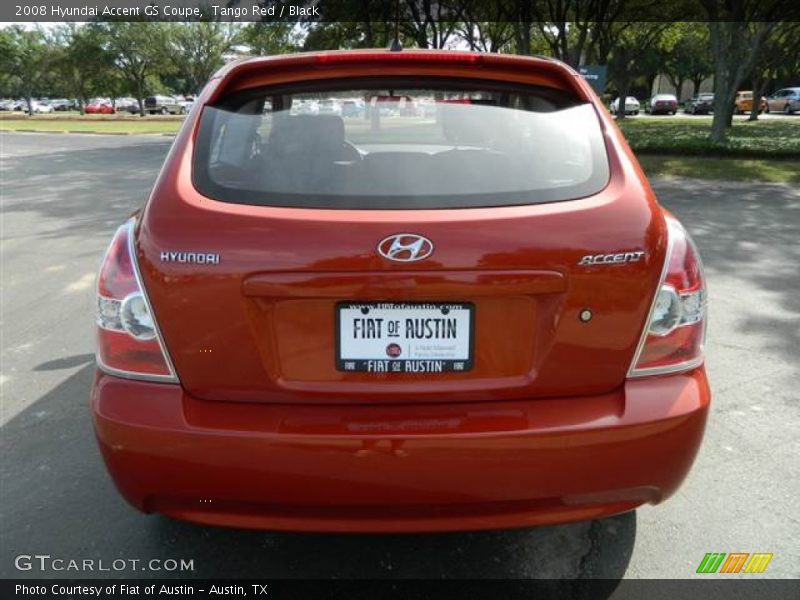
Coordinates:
(404,337)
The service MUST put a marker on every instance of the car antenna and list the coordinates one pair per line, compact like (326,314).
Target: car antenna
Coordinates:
(395,45)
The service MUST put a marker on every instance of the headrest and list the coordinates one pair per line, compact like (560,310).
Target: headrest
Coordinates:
(462,124)
(300,133)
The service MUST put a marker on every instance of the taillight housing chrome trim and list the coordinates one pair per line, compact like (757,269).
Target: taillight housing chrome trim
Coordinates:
(172,377)
(673,227)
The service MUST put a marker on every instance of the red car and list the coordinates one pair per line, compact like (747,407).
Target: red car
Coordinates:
(99,107)
(482,320)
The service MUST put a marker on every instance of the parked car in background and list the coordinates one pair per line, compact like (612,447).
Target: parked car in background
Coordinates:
(62,104)
(353,108)
(99,106)
(41,107)
(632,106)
(7,105)
(330,106)
(743,103)
(186,103)
(701,104)
(662,104)
(786,100)
(126,104)
(395,105)
(481,321)
(305,107)
(163,105)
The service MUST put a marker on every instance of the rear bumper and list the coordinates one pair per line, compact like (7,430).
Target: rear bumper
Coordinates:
(399,468)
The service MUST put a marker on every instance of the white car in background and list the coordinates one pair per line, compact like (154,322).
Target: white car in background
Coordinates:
(632,106)
(41,107)
(186,103)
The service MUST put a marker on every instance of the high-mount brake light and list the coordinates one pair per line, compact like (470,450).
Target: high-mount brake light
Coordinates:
(128,341)
(401,56)
(675,332)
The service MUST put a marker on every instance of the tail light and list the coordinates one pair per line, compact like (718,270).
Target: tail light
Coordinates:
(128,340)
(675,333)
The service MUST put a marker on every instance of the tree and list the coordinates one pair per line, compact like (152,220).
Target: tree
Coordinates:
(572,28)
(7,83)
(489,27)
(198,49)
(737,29)
(334,35)
(523,21)
(625,65)
(83,63)
(271,35)
(487,36)
(430,23)
(141,52)
(265,39)
(696,50)
(371,23)
(782,43)
(27,61)
(650,64)
(354,24)
(687,55)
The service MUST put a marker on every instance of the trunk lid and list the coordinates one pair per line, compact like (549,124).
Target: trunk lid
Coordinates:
(247,296)
(261,324)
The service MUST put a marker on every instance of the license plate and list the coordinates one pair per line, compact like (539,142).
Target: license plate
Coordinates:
(404,337)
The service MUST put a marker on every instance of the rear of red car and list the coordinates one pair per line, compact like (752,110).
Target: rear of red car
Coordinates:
(473,316)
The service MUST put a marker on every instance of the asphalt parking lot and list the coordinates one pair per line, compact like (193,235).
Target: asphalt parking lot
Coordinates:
(62,198)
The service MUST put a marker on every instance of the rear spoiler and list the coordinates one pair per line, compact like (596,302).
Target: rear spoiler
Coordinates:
(260,72)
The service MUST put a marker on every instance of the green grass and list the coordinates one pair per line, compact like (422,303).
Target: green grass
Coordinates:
(726,169)
(74,115)
(46,124)
(689,137)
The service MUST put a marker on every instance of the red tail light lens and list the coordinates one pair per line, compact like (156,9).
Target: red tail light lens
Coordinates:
(675,334)
(128,342)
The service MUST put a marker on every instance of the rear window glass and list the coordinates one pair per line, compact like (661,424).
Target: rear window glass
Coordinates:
(399,144)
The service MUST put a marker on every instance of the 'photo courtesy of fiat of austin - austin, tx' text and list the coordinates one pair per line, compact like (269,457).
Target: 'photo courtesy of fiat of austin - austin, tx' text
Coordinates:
(466,312)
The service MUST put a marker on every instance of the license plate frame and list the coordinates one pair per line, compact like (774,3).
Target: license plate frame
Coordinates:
(425,355)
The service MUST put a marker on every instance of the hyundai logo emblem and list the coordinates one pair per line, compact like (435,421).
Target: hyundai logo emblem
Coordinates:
(405,247)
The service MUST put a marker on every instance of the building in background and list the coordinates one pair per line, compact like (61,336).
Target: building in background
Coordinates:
(662,85)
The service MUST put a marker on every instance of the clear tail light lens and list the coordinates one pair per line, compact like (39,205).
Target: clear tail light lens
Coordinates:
(128,341)
(675,334)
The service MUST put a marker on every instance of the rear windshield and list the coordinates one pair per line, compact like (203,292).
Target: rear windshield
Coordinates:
(376,144)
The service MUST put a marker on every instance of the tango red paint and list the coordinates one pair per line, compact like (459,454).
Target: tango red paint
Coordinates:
(414,291)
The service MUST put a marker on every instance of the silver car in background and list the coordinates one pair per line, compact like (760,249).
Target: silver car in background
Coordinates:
(785,100)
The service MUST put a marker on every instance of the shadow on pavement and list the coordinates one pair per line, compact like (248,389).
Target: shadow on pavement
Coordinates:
(67,362)
(57,499)
(748,232)
(82,185)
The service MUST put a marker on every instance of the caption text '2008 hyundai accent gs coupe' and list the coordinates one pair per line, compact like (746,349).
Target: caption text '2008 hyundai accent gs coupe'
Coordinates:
(455,305)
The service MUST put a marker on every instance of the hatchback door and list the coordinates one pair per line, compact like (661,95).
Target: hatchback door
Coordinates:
(500,246)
